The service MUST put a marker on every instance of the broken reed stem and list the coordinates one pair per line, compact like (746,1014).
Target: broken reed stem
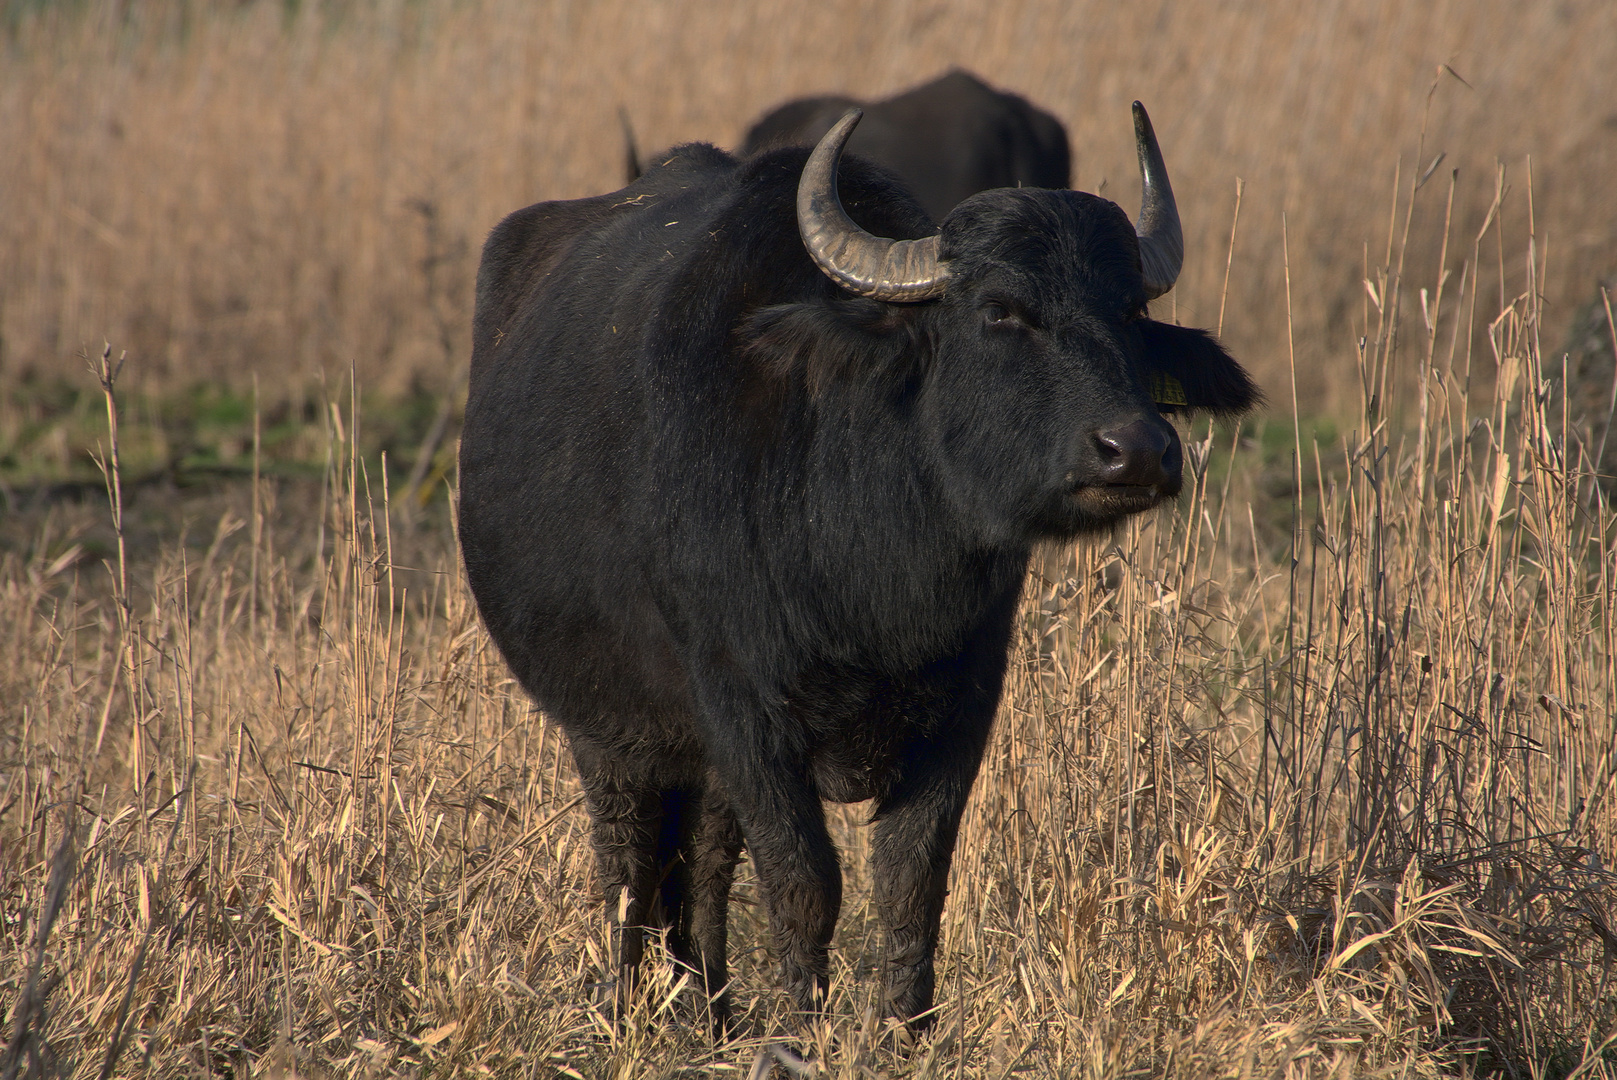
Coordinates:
(107,373)
(1235,436)
(258,516)
(1430,314)
(1229,255)
(111,467)
(1293,705)
(392,653)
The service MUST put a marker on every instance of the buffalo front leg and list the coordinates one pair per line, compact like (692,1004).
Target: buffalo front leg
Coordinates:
(778,807)
(756,751)
(917,824)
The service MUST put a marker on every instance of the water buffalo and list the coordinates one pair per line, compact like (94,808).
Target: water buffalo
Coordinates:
(947,139)
(749,485)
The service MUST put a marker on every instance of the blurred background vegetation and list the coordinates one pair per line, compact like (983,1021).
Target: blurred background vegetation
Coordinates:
(292,191)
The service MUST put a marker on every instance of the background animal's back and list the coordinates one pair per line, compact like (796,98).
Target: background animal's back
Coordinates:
(946,139)
(802,122)
(998,139)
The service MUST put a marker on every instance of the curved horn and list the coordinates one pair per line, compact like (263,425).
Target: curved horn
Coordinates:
(1162,243)
(903,271)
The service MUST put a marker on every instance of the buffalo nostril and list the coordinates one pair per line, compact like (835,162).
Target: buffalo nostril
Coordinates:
(1139,453)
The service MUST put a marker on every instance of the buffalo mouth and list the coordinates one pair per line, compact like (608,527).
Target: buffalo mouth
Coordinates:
(1118,500)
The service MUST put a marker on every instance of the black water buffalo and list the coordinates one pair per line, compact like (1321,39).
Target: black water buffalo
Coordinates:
(748,492)
(947,139)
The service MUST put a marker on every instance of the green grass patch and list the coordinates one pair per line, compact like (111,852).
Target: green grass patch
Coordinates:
(53,432)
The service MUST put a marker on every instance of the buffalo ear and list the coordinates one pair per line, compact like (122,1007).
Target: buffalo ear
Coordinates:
(1208,378)
(825,342)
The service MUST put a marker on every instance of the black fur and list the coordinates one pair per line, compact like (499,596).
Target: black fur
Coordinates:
(1192,357)
(756,543)
(946,140)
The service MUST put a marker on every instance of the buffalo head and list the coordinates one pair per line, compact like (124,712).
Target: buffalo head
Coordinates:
(1048,379)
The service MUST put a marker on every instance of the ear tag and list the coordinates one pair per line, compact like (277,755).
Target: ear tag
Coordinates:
(1167,390)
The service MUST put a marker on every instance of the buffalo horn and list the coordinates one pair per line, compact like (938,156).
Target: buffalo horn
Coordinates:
(1162,243)
(896,270)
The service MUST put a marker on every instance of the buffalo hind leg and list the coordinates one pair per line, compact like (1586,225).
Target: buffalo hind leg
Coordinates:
(626,820)
(699,887)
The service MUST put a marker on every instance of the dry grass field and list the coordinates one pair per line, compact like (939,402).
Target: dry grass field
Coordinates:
(1312,775)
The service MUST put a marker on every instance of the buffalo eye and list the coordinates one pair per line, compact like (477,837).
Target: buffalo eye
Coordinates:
(997,314)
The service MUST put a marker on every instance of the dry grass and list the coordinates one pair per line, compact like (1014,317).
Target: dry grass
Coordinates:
(1313,776)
